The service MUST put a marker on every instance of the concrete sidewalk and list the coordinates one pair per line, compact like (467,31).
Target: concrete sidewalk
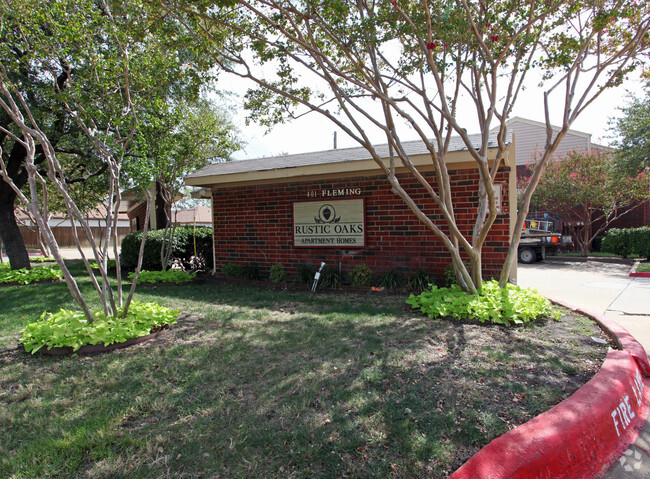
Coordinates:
(608,290)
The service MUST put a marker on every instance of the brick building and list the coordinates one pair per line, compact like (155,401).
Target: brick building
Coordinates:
(337,206)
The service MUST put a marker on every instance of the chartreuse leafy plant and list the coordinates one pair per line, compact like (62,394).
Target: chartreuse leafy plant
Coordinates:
(169,276)
(110,264)
(26,276)
(72,329)
(42,259)
(509,305)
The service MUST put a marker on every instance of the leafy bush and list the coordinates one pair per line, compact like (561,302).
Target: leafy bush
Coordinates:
(420,281)
(305,273)
(26,276)
(169,276)
(71,328)
(390,280)
(231,270)
(330,278)
(628,241)
(42,259)
(362,275)
(277,274)
(110,264)
(250,272)
(182,247)
(241,271)
(493,304)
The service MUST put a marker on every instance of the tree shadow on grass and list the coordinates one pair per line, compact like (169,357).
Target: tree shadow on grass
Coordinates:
(281,386)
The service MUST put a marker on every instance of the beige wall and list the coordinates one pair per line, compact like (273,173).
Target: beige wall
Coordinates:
(531,137)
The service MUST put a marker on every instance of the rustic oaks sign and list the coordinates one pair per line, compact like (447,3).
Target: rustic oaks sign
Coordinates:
(329,224)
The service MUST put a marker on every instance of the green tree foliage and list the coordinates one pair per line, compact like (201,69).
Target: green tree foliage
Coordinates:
(106,63)
(398,67)
(587,192)
(136,85)
(633,128)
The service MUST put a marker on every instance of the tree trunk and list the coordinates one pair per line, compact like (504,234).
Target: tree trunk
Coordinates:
(11,237)
(163,207)
(9,231)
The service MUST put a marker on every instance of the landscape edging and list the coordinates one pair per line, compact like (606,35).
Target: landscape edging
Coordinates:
(583,434)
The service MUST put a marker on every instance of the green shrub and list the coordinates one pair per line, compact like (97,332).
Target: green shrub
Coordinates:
(26,276)
(493,304)
(231,270)
(362,275)
(42,259)
(628,241)
(110,264)
(250,272)
(305,273)
(241,271)
(277,274)
(390,280)
(616,242)
(71,328)
(182,247)
(421,280)
(330,278)
(170,276)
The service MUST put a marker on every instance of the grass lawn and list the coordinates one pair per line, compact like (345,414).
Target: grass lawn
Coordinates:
(643,268)
(256,382)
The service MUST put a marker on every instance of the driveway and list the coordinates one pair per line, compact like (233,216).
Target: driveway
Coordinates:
(602,288)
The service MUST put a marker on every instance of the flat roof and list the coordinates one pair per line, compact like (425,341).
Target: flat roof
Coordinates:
(349,161)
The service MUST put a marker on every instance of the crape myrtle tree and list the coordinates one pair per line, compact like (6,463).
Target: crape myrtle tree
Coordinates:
(106,62)
(399,67)
(587,193)
(81,164)
(28,26)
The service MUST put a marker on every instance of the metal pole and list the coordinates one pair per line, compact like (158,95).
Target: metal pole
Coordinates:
(317,277)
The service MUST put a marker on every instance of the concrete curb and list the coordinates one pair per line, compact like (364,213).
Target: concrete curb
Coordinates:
(583,434)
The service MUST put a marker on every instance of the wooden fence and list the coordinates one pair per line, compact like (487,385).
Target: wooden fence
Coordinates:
(64,235)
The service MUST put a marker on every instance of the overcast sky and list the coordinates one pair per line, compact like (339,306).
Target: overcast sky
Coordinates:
(314,133)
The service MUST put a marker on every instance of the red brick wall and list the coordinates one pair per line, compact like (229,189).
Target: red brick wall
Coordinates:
(253,225)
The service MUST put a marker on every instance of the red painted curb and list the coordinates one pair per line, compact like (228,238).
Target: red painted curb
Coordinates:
(577,438)
(640,275)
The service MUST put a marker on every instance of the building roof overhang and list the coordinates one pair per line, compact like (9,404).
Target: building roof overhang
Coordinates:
(341,163)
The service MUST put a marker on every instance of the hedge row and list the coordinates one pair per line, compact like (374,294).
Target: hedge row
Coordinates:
(628,241)
(182,247)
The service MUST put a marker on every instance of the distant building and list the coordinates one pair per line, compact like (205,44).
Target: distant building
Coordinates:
(530,138)
(199,216)
(62,228)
